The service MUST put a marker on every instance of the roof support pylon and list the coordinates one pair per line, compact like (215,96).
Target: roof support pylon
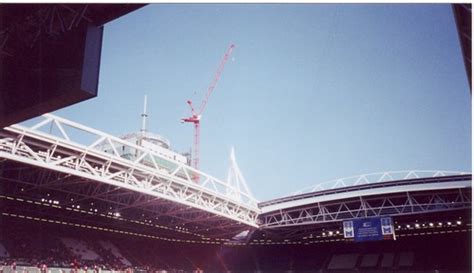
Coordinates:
(235,179)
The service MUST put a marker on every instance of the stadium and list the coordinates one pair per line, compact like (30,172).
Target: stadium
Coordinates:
(78,199)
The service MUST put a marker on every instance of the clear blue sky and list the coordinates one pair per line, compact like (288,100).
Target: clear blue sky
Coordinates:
(314,92)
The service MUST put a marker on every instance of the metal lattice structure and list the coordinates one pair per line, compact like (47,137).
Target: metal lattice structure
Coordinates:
(438,192)
(49,21)
(140,189)
(378,177)
(363,207)
(69,148)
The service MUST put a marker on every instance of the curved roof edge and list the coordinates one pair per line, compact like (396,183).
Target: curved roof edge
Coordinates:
(418,184)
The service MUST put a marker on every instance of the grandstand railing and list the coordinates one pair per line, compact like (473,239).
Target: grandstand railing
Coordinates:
(65,146)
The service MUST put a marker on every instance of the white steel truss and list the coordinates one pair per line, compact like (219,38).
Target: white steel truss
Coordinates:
(397,204)
(378,177)
(77,150)
(71,154)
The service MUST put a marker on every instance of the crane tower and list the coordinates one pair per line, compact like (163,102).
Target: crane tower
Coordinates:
(195,117)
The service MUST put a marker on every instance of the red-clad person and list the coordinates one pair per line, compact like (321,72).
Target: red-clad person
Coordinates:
(74,265)
(44,268)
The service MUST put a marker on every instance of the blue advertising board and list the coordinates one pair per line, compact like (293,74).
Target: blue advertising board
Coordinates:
(368,229)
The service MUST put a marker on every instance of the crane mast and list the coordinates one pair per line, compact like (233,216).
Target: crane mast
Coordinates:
(195,117)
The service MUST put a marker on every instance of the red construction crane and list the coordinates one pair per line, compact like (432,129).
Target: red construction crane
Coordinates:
(195,117)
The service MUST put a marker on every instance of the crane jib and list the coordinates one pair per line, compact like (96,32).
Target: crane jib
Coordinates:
(196,117)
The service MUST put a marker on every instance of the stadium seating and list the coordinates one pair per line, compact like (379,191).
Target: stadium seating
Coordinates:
(343,261)
(3,252)
(369,260)
(115,251)
(112,252)
(80,249)
(387,260)
(406,259)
